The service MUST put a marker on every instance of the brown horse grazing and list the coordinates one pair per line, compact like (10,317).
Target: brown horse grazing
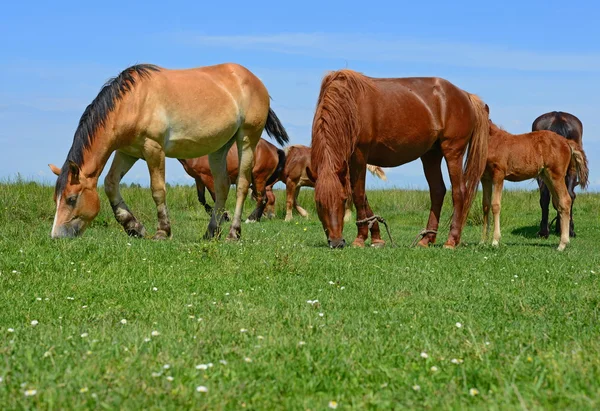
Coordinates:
(294,176)
(570,127)
(542,154)
(151,113)
(389,122)
(268,164)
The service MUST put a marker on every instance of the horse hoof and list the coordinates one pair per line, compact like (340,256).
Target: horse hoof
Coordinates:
(234,234)
(249,221)
(572,234)
(561,247)
(226,216)
(358,243)
(160,235)
(423,243)
(543,234)
(495,243)
(135,230)
(288,219)
(449,246)
(377,243)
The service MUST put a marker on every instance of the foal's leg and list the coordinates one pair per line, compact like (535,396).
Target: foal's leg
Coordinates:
(454,159)
(560,196)
(290,198)
(300,210)
(571,181)
(544,204)
(121,164)
(432,166)
(218,168)
(246,144)
(496,206)
(486,185)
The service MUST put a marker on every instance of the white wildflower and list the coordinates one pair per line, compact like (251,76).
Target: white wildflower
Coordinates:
(201,388)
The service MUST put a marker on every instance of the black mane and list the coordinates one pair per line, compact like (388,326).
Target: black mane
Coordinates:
(96,113)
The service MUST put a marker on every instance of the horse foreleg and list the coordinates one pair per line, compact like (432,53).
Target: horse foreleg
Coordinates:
(454,160)
(432,167)
(218,168)
(376,240)
(261,196)
(496,207)
(300,210)
(270,208)
(121,164)
(246,144)
(155,158)
(487,202)
(290,198)
(358,172)
(201,190)
(544,205)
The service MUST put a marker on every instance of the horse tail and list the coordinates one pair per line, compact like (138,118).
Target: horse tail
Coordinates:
(336,125)
(477,152)
(579,162)
(377,172)
(275,129)
(280,166)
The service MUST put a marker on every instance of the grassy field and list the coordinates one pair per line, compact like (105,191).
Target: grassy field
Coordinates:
(106,321)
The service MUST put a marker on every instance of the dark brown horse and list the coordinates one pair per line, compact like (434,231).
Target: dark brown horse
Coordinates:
(294,176)
(389,122)
(570,127)
(540,154)
(268,164)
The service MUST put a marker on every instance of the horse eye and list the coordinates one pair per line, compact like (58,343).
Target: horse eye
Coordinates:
(71,201)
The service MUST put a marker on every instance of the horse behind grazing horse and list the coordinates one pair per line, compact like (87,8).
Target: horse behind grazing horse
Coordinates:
(388,122)
(294,176)
(542,154)
(268,164)
(151,113)
(570,127)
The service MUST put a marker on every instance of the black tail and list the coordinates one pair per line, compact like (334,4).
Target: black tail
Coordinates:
(275,130)
(280,166)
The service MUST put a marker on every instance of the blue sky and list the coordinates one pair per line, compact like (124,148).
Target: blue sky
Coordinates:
(522,58)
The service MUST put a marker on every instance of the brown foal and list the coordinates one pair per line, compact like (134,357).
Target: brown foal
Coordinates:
(543,154)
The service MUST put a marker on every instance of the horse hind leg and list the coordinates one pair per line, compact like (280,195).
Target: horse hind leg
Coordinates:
(562,201)
(218,168)
(571,182)
(121,164)
(454,159)
(544,205)
(270,208)
(246,141)
(303,213)
(261,199)
(290,198)
(432,163)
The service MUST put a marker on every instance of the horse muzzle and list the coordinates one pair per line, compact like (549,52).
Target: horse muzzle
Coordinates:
(339,243)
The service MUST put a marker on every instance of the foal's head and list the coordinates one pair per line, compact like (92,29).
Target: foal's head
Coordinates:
(331,194)
(77,201)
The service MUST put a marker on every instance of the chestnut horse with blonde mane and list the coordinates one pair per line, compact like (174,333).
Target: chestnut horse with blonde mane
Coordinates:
(151,113)
(269,163)
(388,122)
(542,154)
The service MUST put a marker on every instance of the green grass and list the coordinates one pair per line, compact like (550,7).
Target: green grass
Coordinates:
(530,315)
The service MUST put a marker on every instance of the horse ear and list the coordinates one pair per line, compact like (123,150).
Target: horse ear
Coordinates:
(487,108)
(54,169)
(74,171)
(310,175)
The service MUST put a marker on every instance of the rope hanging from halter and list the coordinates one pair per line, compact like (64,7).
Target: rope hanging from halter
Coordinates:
(422,234)
(371,220)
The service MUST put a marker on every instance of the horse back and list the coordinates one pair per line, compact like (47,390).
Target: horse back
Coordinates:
(564,124)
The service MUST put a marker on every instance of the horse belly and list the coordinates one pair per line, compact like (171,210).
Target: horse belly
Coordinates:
(393,156)
(197,142)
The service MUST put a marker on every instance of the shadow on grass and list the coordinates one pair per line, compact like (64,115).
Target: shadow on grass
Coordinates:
(530,231)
